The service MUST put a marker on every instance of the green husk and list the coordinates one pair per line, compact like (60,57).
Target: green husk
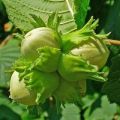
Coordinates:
(43,83)
(75,68)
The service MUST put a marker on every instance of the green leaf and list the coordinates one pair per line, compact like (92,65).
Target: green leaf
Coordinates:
(112,86)
(112,23)
(88,100)
(105,112)
(70,112)
(19,12)
(72,12)
(8,114)
(81,8)
(13,109)
(8,54)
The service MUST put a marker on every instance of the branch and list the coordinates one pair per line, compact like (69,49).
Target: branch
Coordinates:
(6,40)
(113,42)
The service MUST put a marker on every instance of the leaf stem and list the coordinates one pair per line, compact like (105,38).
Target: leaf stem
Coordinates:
(113,42)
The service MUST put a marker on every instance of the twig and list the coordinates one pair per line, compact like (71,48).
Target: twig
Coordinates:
(113,42)
(6,40)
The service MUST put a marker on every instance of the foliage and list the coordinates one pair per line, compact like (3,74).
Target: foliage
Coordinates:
(40,8)
(70,112)
(112,21)
(73,12)
(105,112)
(12,111)
(112,86)
(8,54)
